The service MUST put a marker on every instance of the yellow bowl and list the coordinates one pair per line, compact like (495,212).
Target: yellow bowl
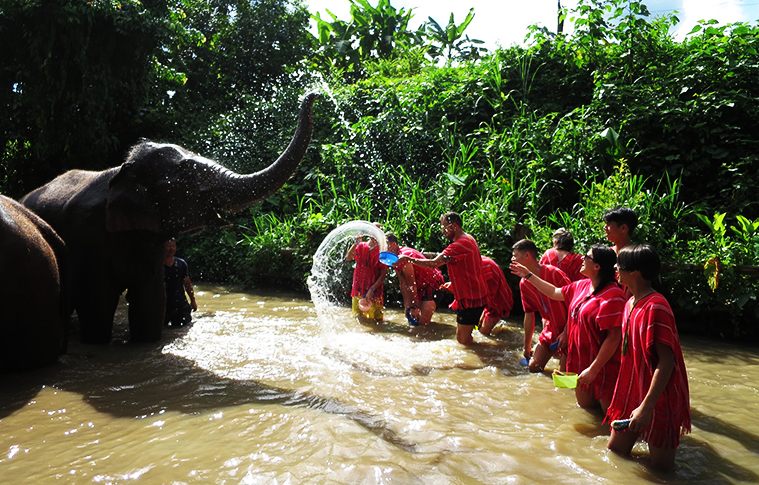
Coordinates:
(566,380)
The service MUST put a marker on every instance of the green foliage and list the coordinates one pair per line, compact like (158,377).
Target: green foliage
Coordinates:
(447,41)
(82,81)
(372,33)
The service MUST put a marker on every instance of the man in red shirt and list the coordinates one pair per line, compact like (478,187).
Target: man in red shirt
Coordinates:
(464,263)
(419,286)
(553,312)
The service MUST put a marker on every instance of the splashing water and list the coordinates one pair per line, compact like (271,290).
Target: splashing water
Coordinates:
(328,281)
(390,347)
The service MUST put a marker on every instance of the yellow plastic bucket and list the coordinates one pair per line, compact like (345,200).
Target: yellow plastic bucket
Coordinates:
(566,380)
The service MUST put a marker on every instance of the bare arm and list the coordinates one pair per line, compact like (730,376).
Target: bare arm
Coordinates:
(642,415)
(407,281)
(610,345)
(190,291)
(438,261)
(544,287)
(351,254)
(529,330)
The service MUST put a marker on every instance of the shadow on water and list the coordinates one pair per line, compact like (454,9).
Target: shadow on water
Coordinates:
(128,380)
(717,426)
(698,463)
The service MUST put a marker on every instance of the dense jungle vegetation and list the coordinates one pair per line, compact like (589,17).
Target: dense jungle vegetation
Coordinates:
(412,123)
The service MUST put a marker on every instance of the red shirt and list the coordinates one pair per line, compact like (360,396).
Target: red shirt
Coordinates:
(426,278)
(465,271)
(570,265)
(367,270)
(553,312)
(500,298)
(590,318)
(649,322)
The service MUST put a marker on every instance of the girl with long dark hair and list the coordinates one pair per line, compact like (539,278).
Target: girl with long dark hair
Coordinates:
(594,324)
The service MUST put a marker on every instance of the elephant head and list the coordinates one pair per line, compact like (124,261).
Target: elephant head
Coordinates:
(168,190)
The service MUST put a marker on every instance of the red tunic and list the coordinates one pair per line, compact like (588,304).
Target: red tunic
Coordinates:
(553,312)
(427,279)
(367,271)
(590,318)
(500,298)
(649,322)
(465,272)
(570,265)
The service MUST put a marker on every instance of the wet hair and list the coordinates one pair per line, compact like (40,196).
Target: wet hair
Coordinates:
(623,215)
(526,246)
(563,240)
(640,257)
(391,237)
(605,258)
(453,218)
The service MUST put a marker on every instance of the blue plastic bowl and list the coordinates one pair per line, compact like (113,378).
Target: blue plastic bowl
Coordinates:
(387,258)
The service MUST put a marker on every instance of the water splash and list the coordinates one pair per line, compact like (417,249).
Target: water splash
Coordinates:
(330,281)
(387,348)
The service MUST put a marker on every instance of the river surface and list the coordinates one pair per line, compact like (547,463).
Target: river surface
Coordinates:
(258,390)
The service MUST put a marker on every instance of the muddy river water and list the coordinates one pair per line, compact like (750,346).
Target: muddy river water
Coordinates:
(260,390)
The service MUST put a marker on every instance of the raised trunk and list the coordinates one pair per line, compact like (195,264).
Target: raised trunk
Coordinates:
(236,192)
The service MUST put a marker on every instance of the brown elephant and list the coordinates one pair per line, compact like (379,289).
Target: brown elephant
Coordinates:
(115,222)
(33,311)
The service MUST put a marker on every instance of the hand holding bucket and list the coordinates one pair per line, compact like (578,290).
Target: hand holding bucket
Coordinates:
(364,304)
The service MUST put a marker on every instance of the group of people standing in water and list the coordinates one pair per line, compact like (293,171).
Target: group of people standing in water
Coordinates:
(601,316)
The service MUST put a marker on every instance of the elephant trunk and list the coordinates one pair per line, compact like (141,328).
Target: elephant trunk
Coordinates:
(236,192)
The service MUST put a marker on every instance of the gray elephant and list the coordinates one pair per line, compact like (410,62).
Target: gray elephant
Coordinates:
(115,222)
(33,310)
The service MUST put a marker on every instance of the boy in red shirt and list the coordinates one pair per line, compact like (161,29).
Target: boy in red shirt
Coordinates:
(553,312)
(419,286)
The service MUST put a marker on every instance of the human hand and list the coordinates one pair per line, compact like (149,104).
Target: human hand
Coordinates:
(527,353)
(518,269)
(194,305)
(587,376)
(414,311)
(640,419)
(563,340)
(369,294)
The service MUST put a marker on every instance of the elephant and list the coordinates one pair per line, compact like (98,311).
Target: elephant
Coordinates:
(115,222)
(33,291)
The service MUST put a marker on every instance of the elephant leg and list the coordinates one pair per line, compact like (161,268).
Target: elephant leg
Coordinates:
(147,306)
(96,306)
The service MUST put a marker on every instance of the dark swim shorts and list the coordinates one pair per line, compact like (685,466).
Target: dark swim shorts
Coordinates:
(469,316)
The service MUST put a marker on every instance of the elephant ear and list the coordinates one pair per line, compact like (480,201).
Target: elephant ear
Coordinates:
(130,207)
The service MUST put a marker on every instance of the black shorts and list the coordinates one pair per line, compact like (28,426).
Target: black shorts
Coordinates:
(178,315)
(469,316)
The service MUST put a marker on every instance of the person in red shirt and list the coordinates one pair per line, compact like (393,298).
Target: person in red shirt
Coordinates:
(619,225)
(652,388)
(562,257)
(464,263)
(368,277)
(419,286)
(500,298)
(594,325)
(553,312)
